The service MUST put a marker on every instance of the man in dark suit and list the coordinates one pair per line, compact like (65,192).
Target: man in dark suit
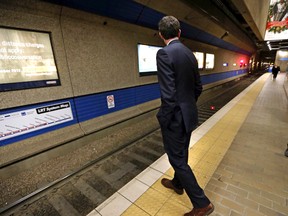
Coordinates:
(180,86)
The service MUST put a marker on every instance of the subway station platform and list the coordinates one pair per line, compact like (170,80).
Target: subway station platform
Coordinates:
(237,156)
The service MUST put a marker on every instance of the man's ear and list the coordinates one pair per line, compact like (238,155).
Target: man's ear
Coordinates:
(161,36)
(179,33)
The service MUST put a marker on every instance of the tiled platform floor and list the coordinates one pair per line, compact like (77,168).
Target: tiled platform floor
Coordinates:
(237,156)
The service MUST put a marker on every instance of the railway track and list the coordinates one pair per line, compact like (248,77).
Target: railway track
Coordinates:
(46,191)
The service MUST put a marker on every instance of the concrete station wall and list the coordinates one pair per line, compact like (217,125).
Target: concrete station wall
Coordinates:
(94,54)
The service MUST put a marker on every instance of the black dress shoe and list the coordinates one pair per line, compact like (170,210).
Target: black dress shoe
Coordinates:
(168,184)
(201,211)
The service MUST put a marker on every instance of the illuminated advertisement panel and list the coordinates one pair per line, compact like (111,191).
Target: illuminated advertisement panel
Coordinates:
(277,21)
(200,58)
(147,59)
(26,60)
(209,64)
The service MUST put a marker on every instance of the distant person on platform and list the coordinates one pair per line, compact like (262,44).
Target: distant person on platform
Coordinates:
(180,86)
(275,71)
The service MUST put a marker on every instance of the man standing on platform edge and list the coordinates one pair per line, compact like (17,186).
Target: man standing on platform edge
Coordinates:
(180,87)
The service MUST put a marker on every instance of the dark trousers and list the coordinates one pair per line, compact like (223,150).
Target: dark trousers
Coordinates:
(176,144)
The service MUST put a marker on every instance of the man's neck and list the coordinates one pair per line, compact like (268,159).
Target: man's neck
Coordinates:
(167,42)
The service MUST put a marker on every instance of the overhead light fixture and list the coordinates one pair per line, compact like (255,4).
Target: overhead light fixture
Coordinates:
(269,46)
(225,34)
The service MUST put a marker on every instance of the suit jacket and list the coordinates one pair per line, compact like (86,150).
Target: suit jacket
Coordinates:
(180,85)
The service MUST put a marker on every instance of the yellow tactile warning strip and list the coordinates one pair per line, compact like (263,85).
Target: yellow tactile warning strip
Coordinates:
(205,156)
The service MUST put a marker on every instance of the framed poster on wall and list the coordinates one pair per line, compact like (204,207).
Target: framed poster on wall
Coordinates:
(209,63)
(200,58)
(147,59)
(26,60)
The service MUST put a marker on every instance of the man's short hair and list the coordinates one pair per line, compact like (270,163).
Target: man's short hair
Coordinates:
(169,27)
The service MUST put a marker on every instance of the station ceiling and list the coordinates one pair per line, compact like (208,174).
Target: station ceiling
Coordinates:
(262,48)
(197,17)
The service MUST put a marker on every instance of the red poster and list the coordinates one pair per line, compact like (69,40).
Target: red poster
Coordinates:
(277,21)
